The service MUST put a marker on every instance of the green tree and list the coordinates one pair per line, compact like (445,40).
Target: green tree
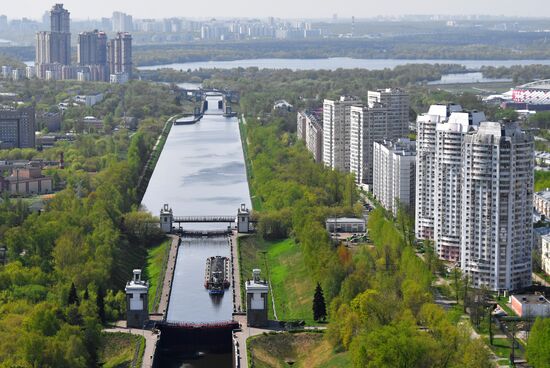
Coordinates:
(73,295)
(319,306)
(506,115)
(538,350)
(100,303)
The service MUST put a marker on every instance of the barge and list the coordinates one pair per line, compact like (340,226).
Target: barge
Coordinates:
(216,278)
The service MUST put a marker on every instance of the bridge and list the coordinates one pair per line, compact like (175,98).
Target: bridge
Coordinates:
(241,220)
(208,219)
(202,233)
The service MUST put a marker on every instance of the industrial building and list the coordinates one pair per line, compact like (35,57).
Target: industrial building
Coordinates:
(26,181)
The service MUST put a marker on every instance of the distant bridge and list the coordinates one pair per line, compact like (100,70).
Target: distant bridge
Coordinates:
(199,219)
(241,220)
(194,325)
(202,233)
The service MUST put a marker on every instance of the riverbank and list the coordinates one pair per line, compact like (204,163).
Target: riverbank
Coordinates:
(149,167)
(168,277)
(335,63)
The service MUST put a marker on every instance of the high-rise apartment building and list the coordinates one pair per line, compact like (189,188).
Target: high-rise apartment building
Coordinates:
(119,54)
(397,102)
(367,124)
(3,22)
(394,173)
(54,47)
(122,22)
(310,130)
(497,206)
(92,55)
(17,128)
(385,117)
(60,43)
(425,167)
(449,136)
(336,132)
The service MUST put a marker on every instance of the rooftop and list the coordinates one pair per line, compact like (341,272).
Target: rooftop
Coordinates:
(346,219)
(531,299)
(545,194)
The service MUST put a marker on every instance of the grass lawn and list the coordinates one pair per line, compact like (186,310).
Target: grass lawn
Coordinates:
(290,280)
(156,267)
(502,302)
(119,349)
(295,349)
(502,348)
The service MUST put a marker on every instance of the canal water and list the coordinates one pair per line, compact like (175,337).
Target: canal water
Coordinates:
(200,171)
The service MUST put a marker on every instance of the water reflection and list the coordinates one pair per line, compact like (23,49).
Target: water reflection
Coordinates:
(201,171)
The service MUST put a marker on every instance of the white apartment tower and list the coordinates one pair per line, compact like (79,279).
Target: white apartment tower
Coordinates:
(497,206)
(309,130)
(397,102)
(336,132)
(385,117)
(449,137)
(425,167)
(368,124)
(394,173)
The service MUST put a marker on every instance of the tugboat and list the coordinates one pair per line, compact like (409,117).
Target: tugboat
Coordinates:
(216,278)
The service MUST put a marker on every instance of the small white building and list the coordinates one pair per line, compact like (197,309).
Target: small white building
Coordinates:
(89,100)
(530,305)
(541,202)
(282,105)
(345,225)
(137,305)
(256,300)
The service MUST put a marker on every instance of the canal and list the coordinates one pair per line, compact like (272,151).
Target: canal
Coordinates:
(200,171)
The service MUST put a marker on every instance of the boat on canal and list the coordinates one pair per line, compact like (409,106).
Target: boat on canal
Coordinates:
(216,278)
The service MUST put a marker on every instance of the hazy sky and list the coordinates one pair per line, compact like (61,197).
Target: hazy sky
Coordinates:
(83,9)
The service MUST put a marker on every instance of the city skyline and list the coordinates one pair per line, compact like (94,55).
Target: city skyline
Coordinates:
(284,8)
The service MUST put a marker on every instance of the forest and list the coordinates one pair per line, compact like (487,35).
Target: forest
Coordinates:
(438,44)
(68,264)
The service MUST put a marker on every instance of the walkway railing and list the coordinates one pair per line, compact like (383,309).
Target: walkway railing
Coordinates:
(197,219)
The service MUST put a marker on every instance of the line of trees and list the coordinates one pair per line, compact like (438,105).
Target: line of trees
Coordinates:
(68,264)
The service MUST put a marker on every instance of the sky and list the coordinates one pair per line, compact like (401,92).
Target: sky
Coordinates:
(290,9)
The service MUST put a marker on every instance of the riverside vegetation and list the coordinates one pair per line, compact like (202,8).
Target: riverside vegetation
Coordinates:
(88,239)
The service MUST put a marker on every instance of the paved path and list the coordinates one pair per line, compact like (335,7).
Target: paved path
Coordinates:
(540,279)
(150,342)
(169,274)
(247,332)
(236,274)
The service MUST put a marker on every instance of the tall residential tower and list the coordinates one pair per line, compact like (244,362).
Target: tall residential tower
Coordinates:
(497,206)
(336,132)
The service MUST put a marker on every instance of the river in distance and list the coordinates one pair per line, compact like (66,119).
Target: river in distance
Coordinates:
(200,171)
(335,63)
